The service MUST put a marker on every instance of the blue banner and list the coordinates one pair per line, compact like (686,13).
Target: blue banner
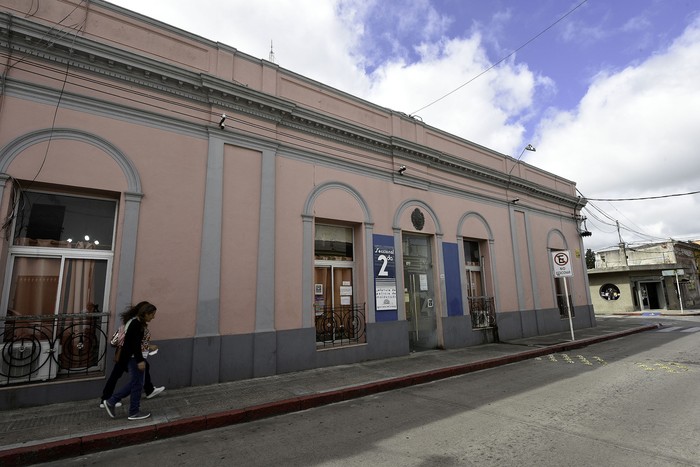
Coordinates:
(384,254)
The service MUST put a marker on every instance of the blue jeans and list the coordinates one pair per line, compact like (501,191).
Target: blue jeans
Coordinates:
(133,388)
(117,373)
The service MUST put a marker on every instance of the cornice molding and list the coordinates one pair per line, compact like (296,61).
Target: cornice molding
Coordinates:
(41,42)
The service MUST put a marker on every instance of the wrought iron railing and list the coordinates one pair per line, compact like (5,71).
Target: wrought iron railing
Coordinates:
(483,312)
(43,348)
(343,325)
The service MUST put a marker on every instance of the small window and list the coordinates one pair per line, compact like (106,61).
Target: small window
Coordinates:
(63,221)
(472,260)
(472,256)
(609,292)
(333,243)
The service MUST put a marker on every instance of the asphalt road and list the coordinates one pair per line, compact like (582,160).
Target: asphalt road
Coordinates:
(626,402)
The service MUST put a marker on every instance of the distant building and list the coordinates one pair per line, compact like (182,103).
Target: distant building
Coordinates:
(277,223)
(656,276)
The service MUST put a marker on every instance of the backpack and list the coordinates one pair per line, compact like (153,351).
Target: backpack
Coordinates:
(117,339)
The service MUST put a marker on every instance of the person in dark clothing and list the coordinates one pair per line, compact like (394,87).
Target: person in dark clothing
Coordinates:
(131,359)
(117,371)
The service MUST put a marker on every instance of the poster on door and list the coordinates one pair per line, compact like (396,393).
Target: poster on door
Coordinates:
(385,276)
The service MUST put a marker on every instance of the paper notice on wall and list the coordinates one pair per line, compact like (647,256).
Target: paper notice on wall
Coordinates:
(386,296)
(345,290)
(345,300)
(424,282)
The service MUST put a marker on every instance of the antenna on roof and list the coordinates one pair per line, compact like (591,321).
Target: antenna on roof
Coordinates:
(272,53)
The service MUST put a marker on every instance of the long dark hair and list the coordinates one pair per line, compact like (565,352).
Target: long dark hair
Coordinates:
(139,310)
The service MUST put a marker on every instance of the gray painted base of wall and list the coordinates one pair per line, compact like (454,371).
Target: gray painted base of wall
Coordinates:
(203,359)
(255,355)
(53,393)
(458,333)
(516,325)
(214,359)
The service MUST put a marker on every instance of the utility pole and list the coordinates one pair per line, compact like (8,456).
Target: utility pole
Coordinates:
(621,245)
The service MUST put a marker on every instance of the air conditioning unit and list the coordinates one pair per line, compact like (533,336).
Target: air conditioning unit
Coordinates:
(27,361)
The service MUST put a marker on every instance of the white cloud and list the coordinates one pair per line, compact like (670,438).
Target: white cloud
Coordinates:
(324,41)
(480,111)
(637,23)
(635,134)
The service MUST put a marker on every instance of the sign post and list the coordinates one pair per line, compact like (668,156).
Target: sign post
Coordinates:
(561,268)
(675,272)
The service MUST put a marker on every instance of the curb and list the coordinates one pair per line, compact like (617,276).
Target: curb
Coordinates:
(655,313)
(81,445)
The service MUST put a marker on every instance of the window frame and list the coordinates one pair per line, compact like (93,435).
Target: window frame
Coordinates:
(62,253)
(338,263)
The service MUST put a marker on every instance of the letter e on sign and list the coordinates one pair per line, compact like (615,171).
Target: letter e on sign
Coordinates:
(561,264)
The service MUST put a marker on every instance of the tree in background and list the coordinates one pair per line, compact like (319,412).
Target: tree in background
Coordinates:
(590,259)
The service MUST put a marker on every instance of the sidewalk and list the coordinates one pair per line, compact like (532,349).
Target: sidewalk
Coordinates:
(39,434)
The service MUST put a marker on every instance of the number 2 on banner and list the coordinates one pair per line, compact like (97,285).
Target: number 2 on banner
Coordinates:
(382,270)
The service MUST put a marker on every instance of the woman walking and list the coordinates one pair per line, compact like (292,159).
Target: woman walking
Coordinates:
(131,359)
(146,348)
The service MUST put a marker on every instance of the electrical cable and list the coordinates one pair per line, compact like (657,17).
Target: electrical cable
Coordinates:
(171,106)
(643,198)
(372,161)
(503,59)
(101,86)
(614,222)
(79,26)
(49,44)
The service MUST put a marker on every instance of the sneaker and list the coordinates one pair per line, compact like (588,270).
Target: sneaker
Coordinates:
(108,408)
(102,405)
(155,392)
(139,416)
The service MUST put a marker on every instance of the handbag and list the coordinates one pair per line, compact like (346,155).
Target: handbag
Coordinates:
(117,339)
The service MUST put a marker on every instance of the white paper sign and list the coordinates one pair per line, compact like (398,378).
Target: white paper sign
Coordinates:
(423,282)
(386,296)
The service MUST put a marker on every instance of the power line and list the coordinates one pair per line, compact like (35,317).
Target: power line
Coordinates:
(644,197)
(502,59)
(614,222)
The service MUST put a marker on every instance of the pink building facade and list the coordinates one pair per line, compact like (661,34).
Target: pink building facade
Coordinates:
(306,228)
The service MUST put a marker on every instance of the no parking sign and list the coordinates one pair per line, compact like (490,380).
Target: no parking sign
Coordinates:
(561,267)
(561,264)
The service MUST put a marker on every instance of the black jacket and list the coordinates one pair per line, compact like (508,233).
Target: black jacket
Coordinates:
(132,344)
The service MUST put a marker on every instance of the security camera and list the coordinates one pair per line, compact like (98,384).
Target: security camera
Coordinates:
(221,123)
(402,169)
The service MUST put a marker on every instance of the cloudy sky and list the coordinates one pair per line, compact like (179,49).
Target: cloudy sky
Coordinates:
(607,91)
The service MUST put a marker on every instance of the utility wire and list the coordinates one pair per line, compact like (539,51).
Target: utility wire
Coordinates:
(645,197)
(614,222)
(377,161)
(503,59)
(372,161)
